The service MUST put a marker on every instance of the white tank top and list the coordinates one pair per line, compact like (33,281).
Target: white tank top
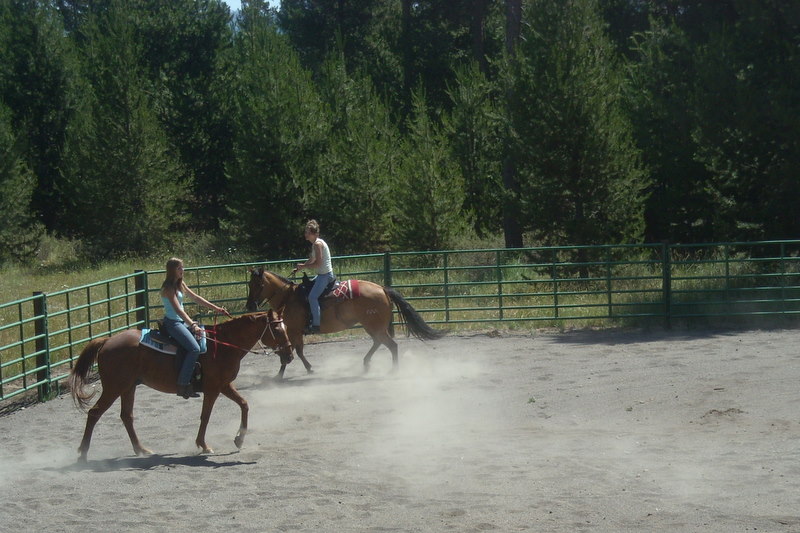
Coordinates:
(325,265)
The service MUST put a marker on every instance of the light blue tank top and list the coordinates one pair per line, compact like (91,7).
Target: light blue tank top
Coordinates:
(169,311)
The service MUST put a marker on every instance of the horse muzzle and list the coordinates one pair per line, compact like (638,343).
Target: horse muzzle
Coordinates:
(286,355)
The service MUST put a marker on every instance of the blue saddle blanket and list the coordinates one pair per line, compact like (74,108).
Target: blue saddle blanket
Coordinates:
(159,341)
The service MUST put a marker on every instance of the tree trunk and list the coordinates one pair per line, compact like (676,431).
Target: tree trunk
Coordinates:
(478,31)
(407,55)
(513,24)
(511,226)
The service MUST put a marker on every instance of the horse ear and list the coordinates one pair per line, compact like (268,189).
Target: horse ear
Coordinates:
(250,269)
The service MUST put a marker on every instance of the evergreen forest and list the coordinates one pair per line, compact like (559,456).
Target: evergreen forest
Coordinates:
(129,126)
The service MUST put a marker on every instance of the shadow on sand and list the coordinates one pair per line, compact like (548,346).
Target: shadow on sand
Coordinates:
(151,462)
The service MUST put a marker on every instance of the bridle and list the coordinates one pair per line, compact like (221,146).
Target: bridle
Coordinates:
(261,284)
(285,346)
(260,303)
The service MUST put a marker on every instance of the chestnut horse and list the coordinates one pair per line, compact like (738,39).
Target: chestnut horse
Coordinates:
(123,363)
(372,309)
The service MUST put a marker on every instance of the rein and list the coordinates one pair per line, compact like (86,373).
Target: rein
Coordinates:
(212,331)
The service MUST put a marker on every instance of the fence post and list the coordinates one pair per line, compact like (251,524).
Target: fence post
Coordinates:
(42,346)
(608,283)
(142,301)
(726,254)
(554,275)
(499,272)
(446,264)
(783,277)
(666,274)
(387,269)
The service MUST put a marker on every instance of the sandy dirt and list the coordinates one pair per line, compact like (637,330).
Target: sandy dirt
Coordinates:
(613,431)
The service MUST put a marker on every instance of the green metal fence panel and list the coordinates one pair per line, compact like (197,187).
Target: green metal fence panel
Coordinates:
(736,280)
(18,351)
(52,328)
(41,336)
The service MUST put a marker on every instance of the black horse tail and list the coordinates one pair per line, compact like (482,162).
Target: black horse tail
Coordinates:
(413,321)
(80,373)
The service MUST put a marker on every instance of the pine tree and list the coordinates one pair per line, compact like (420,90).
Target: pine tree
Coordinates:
(430,196)
(580,173)
(185,48)
(123,181)
(474,128)
(748,120)
(280,133)
(37,80)
(661,95)
(360,164)
(20,232)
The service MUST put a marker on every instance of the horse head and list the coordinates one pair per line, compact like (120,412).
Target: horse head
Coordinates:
(263,287)
(257,289)
(275,337)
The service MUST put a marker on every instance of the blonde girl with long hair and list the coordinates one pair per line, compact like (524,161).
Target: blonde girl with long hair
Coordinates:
(179,324)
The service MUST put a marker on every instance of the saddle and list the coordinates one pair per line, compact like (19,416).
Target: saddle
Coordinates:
(159,340)
(333,293)
(307,284)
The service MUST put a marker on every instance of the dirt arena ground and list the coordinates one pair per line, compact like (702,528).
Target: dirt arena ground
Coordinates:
(606,431)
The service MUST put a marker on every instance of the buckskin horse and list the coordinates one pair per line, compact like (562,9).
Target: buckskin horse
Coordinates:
(372,308)
(123,363)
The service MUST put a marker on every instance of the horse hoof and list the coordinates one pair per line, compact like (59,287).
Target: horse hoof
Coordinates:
(309,370)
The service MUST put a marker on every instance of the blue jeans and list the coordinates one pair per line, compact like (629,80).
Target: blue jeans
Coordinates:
(188,343)
(320,282)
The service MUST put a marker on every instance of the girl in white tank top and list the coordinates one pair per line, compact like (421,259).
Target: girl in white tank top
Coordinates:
(320,261)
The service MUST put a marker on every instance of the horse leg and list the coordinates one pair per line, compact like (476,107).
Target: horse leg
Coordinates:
(299,349)
(126,415)
(390,343)
(208,404)
(102,405)
(297,342)
(230,392)
(367,358)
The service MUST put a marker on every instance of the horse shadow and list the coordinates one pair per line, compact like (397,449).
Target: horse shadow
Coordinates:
(307,381)
(622,336)
(150,462)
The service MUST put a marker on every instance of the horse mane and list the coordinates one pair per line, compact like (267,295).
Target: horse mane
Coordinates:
(251,316)
(284,279)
